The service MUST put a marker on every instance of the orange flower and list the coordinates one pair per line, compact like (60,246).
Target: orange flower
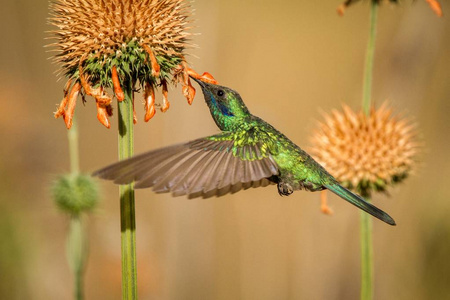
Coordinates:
(434,4)
(365,153)
(102,44)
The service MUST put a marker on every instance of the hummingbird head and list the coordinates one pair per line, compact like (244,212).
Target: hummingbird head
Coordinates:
(225,104)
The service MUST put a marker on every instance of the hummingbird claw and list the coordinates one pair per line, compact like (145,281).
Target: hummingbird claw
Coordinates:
(284,188)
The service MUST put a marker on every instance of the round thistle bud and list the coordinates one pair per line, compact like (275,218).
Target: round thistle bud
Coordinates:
(365,153)
(75,193)
(114,43)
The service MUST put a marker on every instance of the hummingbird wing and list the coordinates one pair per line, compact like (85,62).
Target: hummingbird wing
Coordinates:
(206,167)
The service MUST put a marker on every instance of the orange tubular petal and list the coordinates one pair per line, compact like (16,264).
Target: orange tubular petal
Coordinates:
(62,106)
(206,77)
(436,7)
(166,103)
(341,9)
(72,101)
(189,92)
(116,83)
(149,96)
(323,203)
(102,115)
(155,66)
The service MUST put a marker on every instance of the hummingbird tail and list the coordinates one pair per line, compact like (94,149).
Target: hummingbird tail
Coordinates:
(360,202)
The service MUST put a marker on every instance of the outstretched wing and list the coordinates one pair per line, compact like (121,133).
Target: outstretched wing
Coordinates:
(206,167)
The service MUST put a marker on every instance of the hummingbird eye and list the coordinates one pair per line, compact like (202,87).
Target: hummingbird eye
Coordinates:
(220,93)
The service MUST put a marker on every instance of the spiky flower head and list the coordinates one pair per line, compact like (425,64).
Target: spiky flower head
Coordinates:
(434,5)
(115,43)
(365,153)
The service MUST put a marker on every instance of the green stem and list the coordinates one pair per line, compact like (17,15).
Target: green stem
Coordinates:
(72,136)
(76,253)
(366,256)
(76,244)
(127,210)
(366,220)
(368,68)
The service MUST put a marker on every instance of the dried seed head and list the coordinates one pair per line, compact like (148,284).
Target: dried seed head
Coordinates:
(365,153)
(114,43)
(103,30)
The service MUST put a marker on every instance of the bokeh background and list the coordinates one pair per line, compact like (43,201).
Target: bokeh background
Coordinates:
(290,60)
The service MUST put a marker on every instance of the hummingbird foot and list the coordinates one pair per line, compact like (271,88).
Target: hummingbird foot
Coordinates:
(323,204)
(284,188)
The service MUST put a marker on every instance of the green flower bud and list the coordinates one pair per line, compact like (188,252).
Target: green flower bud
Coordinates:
(75,193)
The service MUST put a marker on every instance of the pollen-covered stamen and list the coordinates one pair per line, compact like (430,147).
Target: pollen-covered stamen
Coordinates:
(103,113)
(62,106)
(154,63)
(72,101)
(436,7)
(323,203)
(149,97)
(206,77)
(116,83)
(166,104)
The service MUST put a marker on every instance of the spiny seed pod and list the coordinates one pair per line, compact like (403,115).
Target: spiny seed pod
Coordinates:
(434,5)
(105,44)
(365,153)
(75,194)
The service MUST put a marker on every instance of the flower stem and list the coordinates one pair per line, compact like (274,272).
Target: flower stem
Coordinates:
(368,68)
(72,136)
(76,253)
(76,240)
(366,220)
(366,256)
(127,210)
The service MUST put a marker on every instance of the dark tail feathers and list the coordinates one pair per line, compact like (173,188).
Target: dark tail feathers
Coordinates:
(360,202)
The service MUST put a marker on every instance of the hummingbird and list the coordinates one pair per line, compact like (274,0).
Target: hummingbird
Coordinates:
(248,152)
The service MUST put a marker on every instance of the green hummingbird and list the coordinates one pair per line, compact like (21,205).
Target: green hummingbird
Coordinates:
(248,152)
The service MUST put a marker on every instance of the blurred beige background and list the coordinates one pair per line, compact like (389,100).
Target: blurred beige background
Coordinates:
(290,60)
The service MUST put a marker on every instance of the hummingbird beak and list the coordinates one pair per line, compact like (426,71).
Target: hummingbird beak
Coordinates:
(200,83)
